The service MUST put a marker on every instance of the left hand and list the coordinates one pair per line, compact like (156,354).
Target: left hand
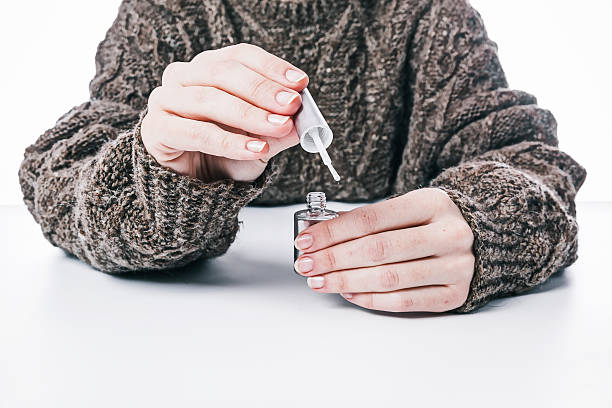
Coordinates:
(407,254)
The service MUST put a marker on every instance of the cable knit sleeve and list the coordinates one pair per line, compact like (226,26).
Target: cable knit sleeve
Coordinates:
(494,151)
(92,186)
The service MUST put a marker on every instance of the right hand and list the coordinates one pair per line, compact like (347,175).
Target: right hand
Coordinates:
(224,114)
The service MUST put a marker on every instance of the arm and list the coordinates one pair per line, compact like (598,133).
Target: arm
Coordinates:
(93,187)
(498,217)
(494,152)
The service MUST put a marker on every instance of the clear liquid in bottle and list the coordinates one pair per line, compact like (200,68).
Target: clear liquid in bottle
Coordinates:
(315,212)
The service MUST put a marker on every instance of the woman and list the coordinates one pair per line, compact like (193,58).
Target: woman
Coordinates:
(190,120)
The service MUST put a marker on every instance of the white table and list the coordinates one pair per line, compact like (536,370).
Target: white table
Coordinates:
(245,329)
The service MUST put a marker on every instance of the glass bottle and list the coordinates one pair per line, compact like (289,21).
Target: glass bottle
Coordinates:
(313,214)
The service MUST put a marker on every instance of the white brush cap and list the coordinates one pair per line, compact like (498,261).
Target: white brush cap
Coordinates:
(309,121)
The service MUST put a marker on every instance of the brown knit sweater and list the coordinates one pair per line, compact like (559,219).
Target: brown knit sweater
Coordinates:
(413,90)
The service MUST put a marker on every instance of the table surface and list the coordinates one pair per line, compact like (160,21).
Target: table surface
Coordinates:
(244,328)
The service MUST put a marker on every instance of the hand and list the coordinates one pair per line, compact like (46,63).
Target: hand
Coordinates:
(407,254)
(224,114)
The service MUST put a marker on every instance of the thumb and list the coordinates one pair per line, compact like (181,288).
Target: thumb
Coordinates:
(279,144)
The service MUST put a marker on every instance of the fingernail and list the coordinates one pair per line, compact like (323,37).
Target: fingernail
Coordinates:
(278,119)
(256,146)
(285,98)
(316,283)
(303,241)
(303,265)
(347,295)
(295,76)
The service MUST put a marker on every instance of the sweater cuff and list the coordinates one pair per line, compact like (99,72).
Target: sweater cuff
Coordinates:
(212,206)
(482,281)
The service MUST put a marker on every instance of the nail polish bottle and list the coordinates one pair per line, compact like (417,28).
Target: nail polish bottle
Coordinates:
(315,212)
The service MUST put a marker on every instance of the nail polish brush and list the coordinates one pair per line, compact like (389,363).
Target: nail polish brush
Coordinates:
(314,132)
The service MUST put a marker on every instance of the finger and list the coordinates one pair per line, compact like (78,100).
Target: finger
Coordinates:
(275,144)
(278,145)
(267,64)
(372,250)
(196,136)
(211,104)
(423,299)
(239,80)
(389,278)
(401,212)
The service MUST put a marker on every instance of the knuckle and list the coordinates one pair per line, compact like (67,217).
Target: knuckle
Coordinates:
(240,48)
(453,299)
(469,234)
(418,238)
(197,136)
(258,88)
(461,295)
(437,199)
(389,279)
(202,56)
(465,268)
(368,218)
(202,95)
(145,128)
(246,113)
(226,143)
(328,231)
(406,303)
(462,234)
(338,282)
(246,46)
(274,66)
(378,249)
(437,195)
(169,74)
(368,301)
(220,69)
(330,258)
(155,96)
(440,303)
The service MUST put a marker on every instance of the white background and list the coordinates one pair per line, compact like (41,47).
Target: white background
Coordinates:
(243,330)
(557,50)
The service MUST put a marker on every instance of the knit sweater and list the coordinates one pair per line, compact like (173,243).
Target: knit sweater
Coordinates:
(415,95)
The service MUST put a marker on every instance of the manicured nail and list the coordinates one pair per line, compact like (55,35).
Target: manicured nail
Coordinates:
(256,146)
(316,283)
(347,295)
(295,76)
(285,98)
(303,241)
(278,119)
(303,265)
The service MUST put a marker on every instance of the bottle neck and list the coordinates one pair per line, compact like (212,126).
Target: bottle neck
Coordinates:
(316,202)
